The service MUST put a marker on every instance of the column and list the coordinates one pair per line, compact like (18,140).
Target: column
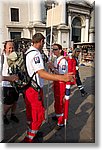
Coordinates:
(87,29)
(59,37)
(92,26)
(68,39)
(69,19)
(82,33)
(35,11)
(26,33)
(92,35)
(69,24)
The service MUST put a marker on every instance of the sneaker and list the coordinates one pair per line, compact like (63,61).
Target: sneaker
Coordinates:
(83,94)
(35,140)
(27,140)
(6,121)
(14,118)
(54,118)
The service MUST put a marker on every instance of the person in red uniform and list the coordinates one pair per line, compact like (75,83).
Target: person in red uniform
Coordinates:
(71,64)
(33,97)
(60,66)
(71,68)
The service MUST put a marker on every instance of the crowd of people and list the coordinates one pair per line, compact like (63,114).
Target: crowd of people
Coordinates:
(61,73)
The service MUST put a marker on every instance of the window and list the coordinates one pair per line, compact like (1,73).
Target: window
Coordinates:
(76,22)
(76,30)
(15,35)
(15,14)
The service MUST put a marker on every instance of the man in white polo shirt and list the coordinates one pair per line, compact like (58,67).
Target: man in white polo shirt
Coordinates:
(34,94)
(10,95)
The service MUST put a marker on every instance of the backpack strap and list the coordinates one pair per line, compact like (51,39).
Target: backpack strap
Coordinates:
(24,56)
(59,62)
(34,84)
(25,64)
(29,52)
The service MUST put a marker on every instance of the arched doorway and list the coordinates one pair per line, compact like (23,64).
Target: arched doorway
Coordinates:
(76,30)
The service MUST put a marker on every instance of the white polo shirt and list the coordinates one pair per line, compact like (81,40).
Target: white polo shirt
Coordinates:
(61,65)
(5,72)
(34,63)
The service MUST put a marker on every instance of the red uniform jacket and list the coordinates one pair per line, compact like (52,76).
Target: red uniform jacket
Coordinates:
(71,68)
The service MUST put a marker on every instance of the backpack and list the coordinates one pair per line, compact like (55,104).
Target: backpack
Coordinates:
(17,65)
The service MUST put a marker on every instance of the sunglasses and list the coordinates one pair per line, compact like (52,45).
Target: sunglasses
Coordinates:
(55,49)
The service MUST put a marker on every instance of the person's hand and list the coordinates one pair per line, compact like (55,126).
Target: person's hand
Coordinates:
(69,77)
(10,78)
(13,78)
(50,65)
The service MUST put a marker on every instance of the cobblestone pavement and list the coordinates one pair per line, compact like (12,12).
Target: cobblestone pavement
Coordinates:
(81,122)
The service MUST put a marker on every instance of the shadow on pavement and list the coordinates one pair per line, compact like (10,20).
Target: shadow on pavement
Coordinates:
(79,111)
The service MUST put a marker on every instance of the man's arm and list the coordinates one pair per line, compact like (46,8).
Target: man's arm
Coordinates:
(55,77)
(11,78)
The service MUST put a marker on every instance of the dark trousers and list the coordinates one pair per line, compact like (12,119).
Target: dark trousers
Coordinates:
(79,83)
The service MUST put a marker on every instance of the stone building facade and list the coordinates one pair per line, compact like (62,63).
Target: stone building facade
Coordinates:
(71,21)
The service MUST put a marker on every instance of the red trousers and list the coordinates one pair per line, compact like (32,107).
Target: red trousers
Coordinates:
(59,94)
(35,112)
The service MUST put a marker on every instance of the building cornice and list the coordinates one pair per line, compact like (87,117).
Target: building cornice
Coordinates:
(63,27)
(16,26)
(36,25)
(78,12)
(79,4)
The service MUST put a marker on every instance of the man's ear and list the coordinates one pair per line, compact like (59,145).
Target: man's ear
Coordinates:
(42,41)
